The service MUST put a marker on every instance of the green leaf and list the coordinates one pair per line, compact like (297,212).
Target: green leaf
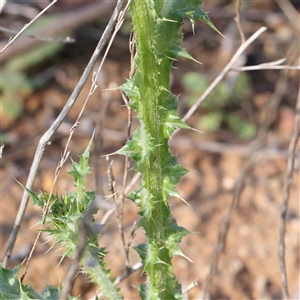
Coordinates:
(211,122)
(140,146)
(11,288)
(36,200)
(174,235)
(50,293)
(14,81)
(203,16)
(172,123)
(176,52)
(244,129)
(194,82)
(95,267)
(27,292)
(143,291)
(141,249)
(11,106)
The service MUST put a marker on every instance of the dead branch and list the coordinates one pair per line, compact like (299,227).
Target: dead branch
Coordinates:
(291,13)
(86,228)
(122,196)
(238,20)
(268,66)
(67,22)
(26,26)
(223,73)
(269,151)
(258,144)
(66,40)
(1,150)
(285,202)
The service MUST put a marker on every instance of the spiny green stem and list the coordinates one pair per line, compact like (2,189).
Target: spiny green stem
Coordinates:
(158,36)
(152,79)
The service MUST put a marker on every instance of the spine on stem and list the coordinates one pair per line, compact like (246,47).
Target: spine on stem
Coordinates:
(157,26)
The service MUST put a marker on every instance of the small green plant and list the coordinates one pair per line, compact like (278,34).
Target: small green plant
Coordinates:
(219,104)
(16,84)
(63,222)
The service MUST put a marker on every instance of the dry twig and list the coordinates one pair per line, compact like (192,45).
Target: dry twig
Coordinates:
(1,149)
(68,21)
(2,4)
(129,271)
(98,140)
(122,196)
(225,224)
(274,65)
(238,20)
(129,187)
(26,26)
(66,40)
(285,202)
(215,147)
(290,12)
(258,144)
(86,228)
(223,73)
(187,288)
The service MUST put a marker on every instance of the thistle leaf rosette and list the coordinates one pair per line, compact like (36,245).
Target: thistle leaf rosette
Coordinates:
(157,26)
(63,224)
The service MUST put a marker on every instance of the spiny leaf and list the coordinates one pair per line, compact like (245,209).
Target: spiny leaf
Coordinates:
(36,200)
(177,52)
(65,218)
(171,122)
(98,273)
(141,249)
(203,16)
(174,234)
(11,288)
(143,291)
